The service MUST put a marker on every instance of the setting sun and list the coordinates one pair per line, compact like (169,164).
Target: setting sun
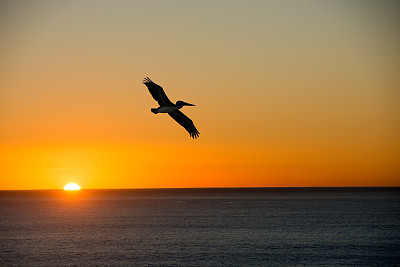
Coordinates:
(72,186)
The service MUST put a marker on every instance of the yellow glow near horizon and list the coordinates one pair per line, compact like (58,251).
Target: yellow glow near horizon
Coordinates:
(72,186)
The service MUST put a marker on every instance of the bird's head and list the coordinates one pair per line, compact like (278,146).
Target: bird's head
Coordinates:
(180,104)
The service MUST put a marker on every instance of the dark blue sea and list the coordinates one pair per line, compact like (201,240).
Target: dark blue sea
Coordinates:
(201,227)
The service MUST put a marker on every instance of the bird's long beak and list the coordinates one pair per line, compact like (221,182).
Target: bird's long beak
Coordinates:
(187,104)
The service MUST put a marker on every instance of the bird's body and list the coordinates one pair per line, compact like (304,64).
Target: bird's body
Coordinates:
(166,106)
(164,109)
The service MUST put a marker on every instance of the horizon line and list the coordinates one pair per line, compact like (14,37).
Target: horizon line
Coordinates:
(185,188)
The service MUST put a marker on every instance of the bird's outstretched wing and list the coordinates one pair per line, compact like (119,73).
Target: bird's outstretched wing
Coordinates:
(157,92)
(185,122)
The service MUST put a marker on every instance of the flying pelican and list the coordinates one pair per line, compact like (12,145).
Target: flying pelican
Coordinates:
(166,106)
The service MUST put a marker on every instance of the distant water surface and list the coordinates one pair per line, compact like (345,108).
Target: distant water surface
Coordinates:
(201,227)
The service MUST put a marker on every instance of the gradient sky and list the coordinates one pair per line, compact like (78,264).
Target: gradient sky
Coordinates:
(287,93)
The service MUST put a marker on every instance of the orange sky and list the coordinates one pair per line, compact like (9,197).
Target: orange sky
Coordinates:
(286,93)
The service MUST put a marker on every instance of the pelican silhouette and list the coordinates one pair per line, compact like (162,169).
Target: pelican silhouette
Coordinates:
(166,106)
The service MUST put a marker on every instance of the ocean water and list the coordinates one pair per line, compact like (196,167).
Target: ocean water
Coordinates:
(201,227)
